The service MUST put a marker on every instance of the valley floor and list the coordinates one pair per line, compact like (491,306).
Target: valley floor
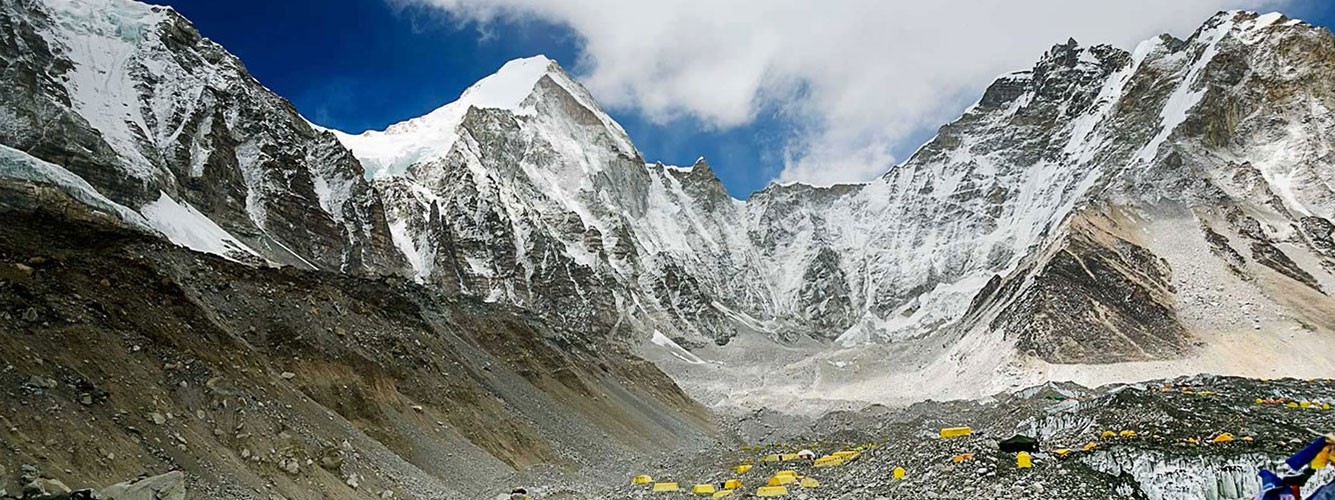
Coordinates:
(754,372)
(1193,438)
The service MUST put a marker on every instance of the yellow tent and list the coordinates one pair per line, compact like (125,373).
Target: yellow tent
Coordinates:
(829,461)
(1305,404)
(732,484)
(899,473)
(953,432)
(808,482)
(1061,452)
(780,480)
(1292,404)
(722,494)
(1108,434)
(703,489)
(741,469)
(1127,434)
(1023,460)
(1090,446)
(666,487)
(770,458)
(846,455)
(789,457)
(792,473)
(641,479)
(961,457)
(771,491)
(1222,438)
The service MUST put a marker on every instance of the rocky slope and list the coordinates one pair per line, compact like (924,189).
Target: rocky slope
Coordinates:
(1237,153)
(123,354)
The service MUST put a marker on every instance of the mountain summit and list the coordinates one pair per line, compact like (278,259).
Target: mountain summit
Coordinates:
(512,88)
(1102,207)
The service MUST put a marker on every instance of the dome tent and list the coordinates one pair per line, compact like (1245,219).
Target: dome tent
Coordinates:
(1019,443)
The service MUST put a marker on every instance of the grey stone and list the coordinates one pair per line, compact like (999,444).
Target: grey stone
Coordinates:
(169,486)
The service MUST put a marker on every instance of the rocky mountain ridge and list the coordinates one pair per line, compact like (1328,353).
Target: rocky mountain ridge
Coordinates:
(283,353)
(130,98)
(1102,207)
(124,354)
(904,255)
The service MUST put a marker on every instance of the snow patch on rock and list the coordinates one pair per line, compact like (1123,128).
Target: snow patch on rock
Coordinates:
(187,227)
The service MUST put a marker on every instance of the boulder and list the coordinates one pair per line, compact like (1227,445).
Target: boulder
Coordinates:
(169,486)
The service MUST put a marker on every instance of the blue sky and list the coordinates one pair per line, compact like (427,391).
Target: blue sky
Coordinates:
(365,64)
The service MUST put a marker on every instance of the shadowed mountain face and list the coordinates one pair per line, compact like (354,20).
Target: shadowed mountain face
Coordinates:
(1101,207)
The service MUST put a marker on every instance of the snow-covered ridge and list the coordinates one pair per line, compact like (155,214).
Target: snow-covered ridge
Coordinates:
(130,97)
(391,151)
(894,258)
(180,223)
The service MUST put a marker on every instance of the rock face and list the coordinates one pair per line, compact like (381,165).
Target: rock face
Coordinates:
(1098,298)
(130,98)
(1052,181)
(1103,206)
(169,486)
(1228,153)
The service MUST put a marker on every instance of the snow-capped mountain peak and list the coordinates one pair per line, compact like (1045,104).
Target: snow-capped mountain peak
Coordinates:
(392,151)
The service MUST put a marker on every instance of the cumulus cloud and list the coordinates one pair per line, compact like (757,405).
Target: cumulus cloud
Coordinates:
(856,78)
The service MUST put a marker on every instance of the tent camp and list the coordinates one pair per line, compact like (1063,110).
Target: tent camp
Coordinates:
(1019,443)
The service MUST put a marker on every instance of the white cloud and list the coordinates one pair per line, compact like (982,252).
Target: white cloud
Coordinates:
(858,78)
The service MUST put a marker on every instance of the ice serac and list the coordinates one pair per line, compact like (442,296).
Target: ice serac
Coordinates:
(132,99)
